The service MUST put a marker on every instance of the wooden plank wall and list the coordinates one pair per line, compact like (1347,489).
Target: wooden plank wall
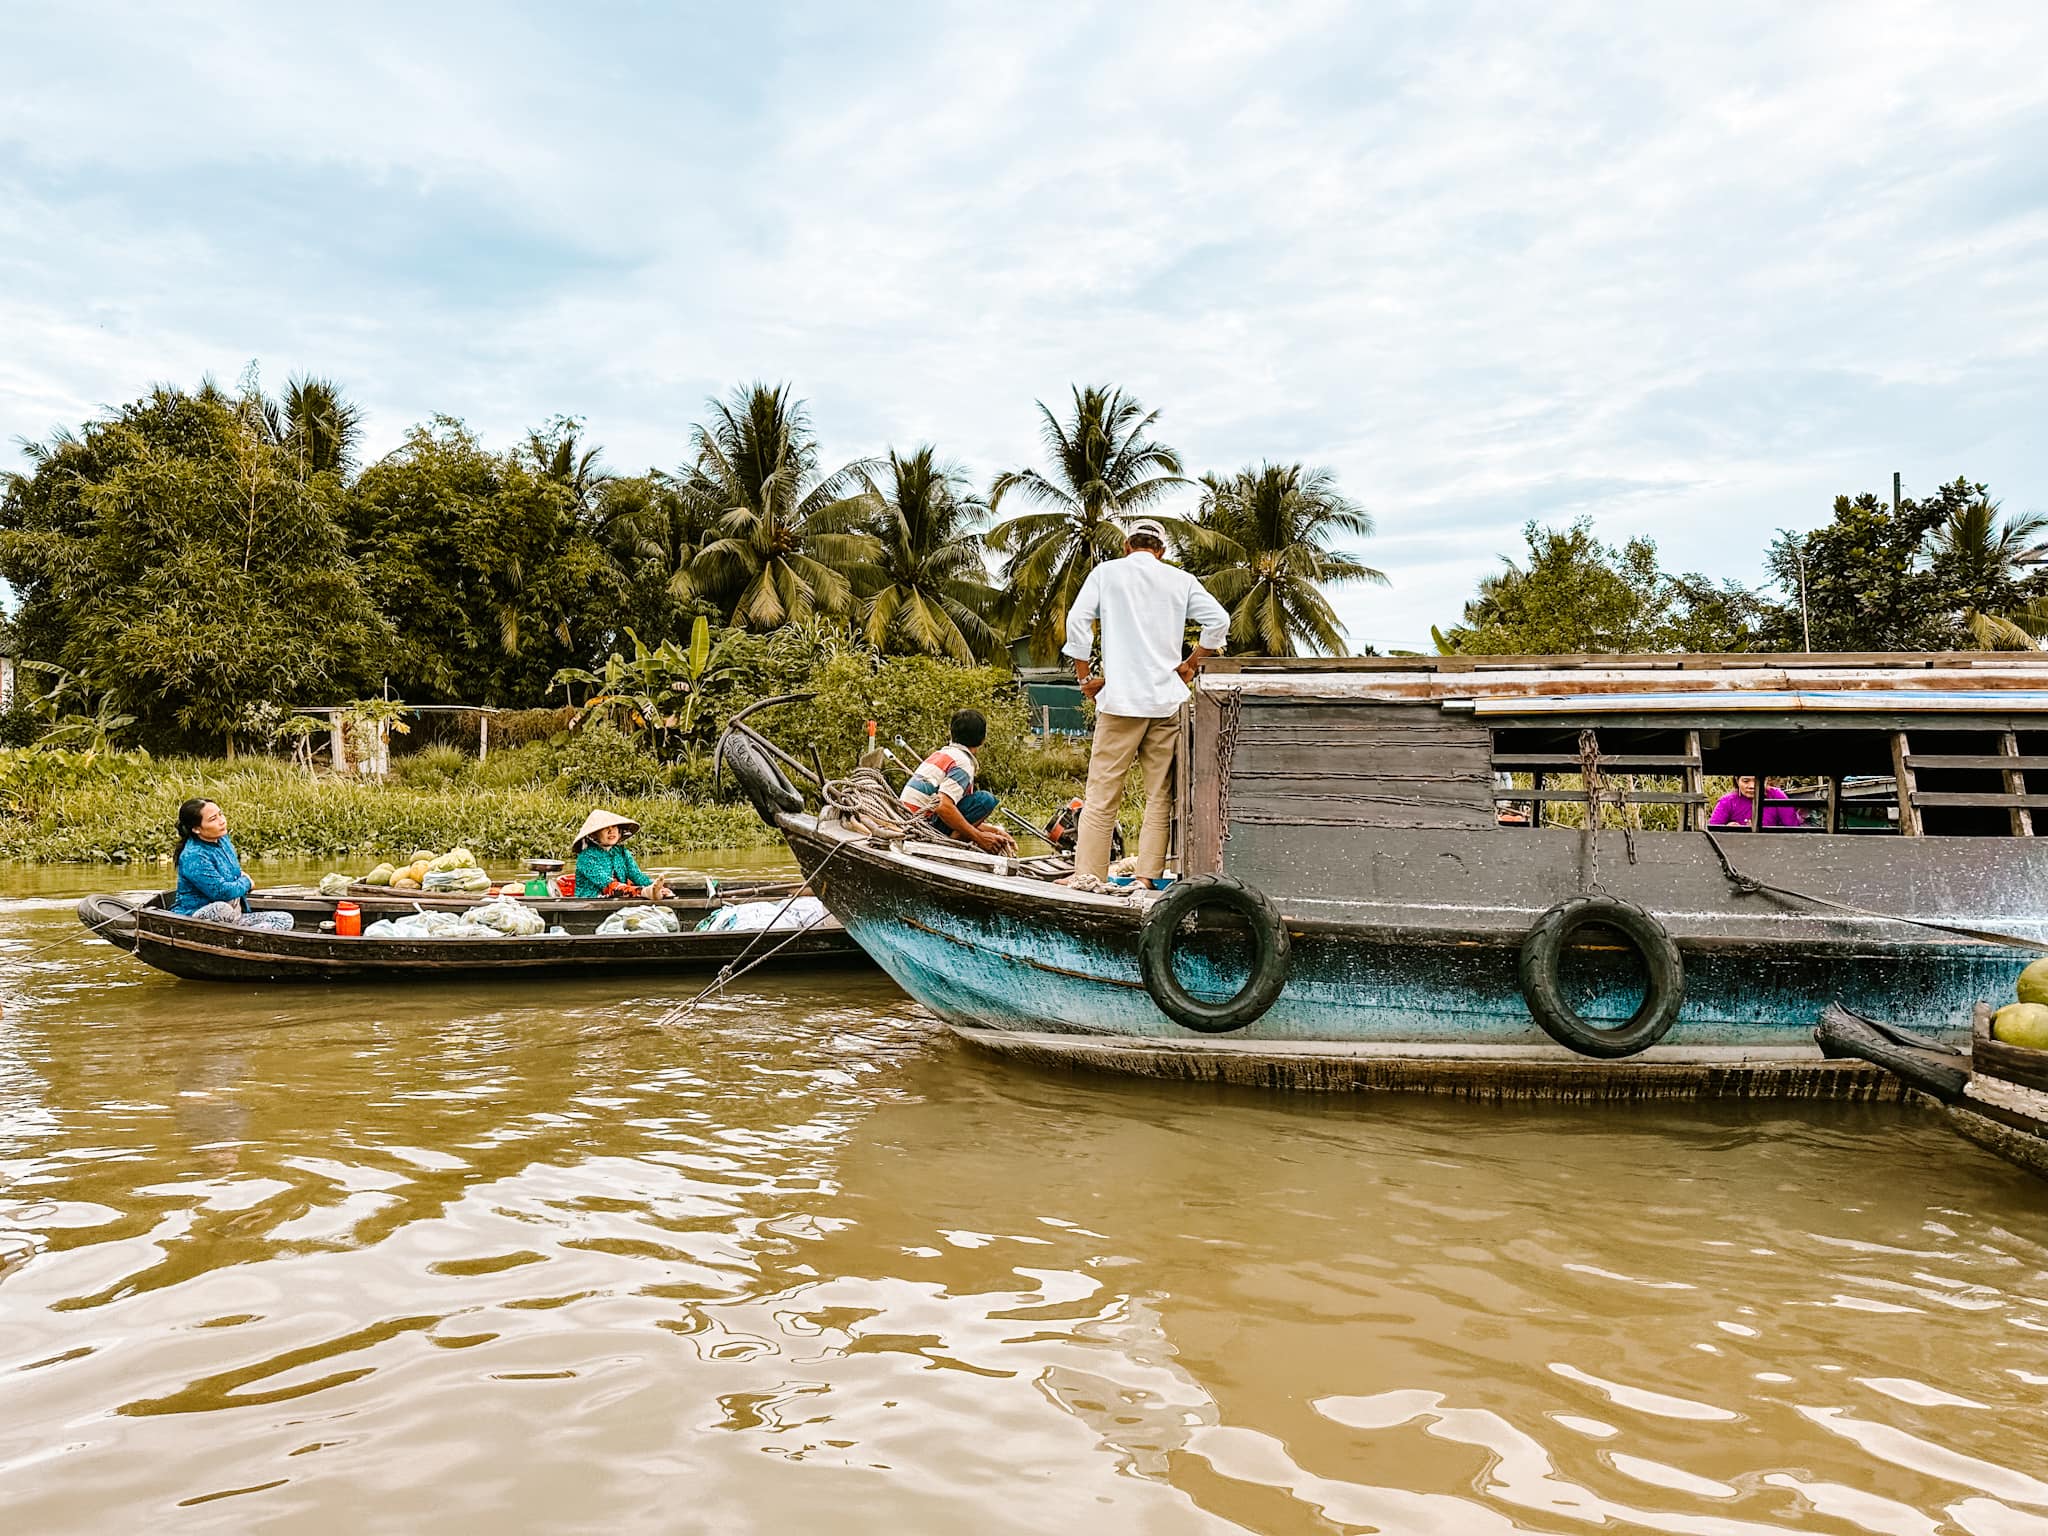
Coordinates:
(1359,765)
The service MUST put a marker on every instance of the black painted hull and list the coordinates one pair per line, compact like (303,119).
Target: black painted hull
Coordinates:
(199,951)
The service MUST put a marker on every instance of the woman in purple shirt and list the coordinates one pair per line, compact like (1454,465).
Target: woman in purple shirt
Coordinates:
(1734,808)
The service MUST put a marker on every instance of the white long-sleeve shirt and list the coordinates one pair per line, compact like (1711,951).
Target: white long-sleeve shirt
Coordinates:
(1144,607)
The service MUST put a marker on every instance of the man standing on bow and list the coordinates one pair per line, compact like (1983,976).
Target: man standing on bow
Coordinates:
(1143,607)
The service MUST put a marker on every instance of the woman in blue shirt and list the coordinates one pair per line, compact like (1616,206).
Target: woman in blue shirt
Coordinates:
(211,884)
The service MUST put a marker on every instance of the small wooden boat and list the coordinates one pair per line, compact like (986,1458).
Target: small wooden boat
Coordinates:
(1995,1094)
(201,951)
(112,915)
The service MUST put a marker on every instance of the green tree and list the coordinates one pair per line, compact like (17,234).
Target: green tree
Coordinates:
(651,530)
(491,577)
(930,589)
(1104,466)
(1261,546)
(557,454)
(1577,595)
(1995,563)
(319,428)
(177,559)
(1879,578)
(784,537)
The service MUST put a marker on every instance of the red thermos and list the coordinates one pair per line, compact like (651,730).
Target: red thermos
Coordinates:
(348,919)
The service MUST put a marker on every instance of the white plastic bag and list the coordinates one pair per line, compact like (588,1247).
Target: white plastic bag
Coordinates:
(753,916)
(467,881)
(507,916)
(643,920)
(420,924)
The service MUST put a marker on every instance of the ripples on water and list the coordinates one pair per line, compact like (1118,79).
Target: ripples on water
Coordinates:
(463,1258)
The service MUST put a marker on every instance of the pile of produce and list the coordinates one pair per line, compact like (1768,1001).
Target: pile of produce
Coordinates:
(2026,1021)
(456,870)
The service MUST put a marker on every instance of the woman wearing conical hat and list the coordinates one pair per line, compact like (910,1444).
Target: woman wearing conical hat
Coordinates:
(605,866)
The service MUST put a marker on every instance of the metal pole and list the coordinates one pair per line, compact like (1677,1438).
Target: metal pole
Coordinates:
(1895,493)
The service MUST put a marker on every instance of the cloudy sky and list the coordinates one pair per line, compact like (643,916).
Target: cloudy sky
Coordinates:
(1689,274)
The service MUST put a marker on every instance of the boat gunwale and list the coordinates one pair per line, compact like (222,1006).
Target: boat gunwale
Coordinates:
(166,936)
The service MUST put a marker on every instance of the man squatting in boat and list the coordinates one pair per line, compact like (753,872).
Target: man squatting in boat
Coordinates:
(1142,607)
(943,789)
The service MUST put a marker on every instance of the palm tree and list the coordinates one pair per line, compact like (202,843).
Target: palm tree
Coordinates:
(555,455)
(1491,604)
(1986,555)
(784,539)
(931,592)
(1260,546)
(316,424)
(650,528)
(1104,466)
(1985,550)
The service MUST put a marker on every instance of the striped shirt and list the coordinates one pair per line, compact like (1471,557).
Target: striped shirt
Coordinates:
(948,772)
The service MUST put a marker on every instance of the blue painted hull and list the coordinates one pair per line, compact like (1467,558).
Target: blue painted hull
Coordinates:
(998,955)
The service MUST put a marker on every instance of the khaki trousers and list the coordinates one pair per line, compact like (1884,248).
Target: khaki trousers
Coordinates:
(1121,740)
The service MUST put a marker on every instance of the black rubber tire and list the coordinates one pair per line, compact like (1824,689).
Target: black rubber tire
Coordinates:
(759,779)
(1543,953)
(1271,953)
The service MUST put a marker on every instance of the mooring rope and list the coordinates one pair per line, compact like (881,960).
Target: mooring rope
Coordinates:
(1749,885)
(733,970)
(70,935)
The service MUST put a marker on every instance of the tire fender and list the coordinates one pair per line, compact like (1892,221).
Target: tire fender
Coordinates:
(1543,954)
(1271,953)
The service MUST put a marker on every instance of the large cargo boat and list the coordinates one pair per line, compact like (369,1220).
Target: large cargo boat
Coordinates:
(1499,875)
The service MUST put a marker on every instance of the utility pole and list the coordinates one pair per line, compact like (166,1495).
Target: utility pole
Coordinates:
(1796,543)
(1805,623)
(1895,493)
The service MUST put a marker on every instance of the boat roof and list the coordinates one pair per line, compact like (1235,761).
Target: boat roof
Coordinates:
(1764,701)
(1944,680)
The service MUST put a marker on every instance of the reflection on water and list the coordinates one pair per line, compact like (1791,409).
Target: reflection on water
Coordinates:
(457,1257)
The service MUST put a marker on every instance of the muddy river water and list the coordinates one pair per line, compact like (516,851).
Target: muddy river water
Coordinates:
(510,1258)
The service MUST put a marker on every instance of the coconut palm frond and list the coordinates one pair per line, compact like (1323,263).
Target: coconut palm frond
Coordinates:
(1261,543)
(2021,630)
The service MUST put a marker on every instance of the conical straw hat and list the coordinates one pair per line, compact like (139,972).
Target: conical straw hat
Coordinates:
(597,821)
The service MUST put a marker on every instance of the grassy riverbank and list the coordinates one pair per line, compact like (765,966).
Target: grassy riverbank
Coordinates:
(127,812)
(278,811)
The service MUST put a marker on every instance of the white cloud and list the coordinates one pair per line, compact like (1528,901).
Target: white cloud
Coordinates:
(1691,274)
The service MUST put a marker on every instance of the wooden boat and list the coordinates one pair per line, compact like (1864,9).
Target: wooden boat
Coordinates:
(1995,1094)
(200,951)
(112,915)
(1410,930)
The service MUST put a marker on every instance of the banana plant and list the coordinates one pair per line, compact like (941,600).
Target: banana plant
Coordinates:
(94,720)
(639,693)
(702,662)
